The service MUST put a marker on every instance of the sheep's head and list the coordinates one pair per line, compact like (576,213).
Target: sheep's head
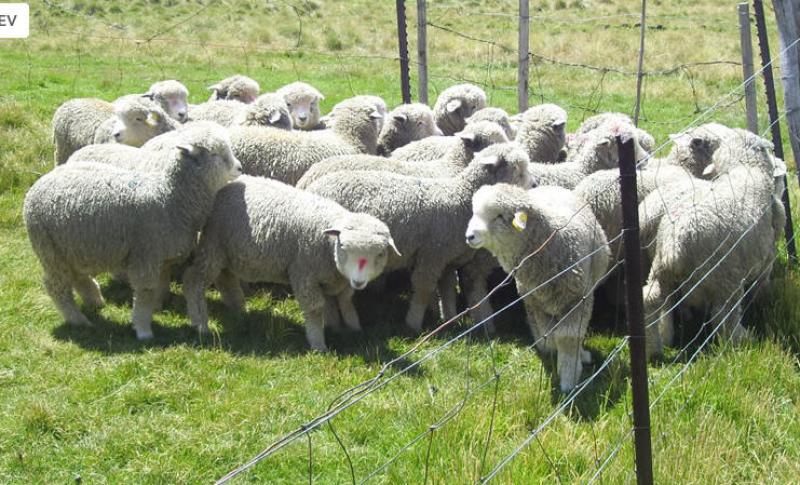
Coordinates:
(482,134)
(361,248)
(550,119)
(496,115)
(694,149)
(404,124)
(235,88)
(303,102)
(138,120)
(499,212)
(206,153)
(457,103)
(172,96)
(355,122)
(507,163)
(268,110)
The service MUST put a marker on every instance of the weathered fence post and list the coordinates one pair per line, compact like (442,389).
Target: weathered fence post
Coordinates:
(402,42)
(785,16)
(772,107)
(634,309)
(422,52)
(747,67)
(523,59)
(639,69)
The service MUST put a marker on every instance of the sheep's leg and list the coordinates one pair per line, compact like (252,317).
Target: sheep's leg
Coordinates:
(348,310)
(331,314)
(475,276)
(162,291)
(230,289)
(145,300)
(568,337)
(59,287)
(87,287)
(312,302)
(655,304)
(570,361)
(423,283)
(195,281)
(447,295)
(729,316)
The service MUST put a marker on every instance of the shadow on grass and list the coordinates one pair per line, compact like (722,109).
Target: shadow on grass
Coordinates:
(261,331)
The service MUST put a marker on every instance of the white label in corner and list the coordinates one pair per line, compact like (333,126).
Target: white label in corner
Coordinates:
(14,20)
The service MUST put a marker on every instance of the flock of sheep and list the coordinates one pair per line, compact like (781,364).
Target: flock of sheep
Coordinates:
(262,188)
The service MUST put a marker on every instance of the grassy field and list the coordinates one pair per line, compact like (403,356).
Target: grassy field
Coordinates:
(96,404)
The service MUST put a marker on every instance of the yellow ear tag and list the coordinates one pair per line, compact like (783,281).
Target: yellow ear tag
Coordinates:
(520,221)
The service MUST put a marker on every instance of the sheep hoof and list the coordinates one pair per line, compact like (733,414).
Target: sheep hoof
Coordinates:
(143,335)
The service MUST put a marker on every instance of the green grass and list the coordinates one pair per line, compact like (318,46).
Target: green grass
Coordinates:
(97,404)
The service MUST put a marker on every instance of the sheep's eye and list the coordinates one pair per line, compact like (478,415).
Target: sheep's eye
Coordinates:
(140,120)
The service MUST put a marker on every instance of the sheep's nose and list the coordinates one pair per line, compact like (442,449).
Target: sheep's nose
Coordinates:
(472,239)
(182,116)
(302,117)
(117,135)
(358,284)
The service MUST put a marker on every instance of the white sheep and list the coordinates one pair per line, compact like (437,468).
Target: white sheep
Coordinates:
(554,226)
(717,244)
(235,88)
(473,139)
(77,121)
(497,115)
(645,139)
(405,124)
(455,104)
(87,218)
(380,106)
(267,110)
(264,230)
(426,216)
(542,132)
(303,102)
(436,147)
(286,155)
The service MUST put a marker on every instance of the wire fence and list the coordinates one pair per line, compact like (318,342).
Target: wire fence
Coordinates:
(494,71)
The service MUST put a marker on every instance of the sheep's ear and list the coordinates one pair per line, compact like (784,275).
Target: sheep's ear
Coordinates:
(149,96)
(332,233)
(711,169)
(153,118)
(466,136)
(492,160)
(520,220)
(604,142)
(186,151)
(779,167)
(393,246)
(453,105)
(675,136)
(375,115)
(275,117)
(558,123)
(400,117)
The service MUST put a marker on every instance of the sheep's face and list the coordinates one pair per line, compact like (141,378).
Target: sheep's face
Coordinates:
(361,247)
(304,110)
(244,93)
(494,218)
(508,164)
(135,126)
(402,127)
(175,106)
(210,158)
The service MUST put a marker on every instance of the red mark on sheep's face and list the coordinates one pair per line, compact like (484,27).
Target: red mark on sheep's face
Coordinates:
(361,263)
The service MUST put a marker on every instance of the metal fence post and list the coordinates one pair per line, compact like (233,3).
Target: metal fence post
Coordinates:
(402,42)
(422,52)
(747,67)
(523,60)
(634,309)
(772,106)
